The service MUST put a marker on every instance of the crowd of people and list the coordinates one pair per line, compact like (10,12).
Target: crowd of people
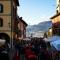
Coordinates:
(36,49)
(4,51)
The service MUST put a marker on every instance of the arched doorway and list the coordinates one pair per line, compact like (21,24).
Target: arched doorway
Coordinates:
(5,36)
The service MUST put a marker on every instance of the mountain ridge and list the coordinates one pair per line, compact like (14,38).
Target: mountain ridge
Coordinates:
(43,26)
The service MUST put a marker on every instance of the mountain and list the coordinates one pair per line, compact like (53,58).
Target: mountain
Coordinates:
(43,26)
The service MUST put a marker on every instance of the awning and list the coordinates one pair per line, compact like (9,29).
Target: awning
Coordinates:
(55,42)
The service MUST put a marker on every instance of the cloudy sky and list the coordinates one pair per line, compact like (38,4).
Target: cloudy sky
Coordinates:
(36,11)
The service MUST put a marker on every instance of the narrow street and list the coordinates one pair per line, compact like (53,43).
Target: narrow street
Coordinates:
(36,49)
(29,29)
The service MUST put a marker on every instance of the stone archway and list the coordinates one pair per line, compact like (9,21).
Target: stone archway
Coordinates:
(5,36)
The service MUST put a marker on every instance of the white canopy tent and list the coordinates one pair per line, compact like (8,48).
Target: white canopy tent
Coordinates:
(2,41)
(27,39)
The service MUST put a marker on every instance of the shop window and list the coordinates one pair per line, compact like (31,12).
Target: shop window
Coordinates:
(57,11)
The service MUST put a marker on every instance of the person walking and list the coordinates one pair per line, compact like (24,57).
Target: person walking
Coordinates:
(4,55)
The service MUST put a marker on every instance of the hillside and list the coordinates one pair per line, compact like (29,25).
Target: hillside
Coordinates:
(43,26)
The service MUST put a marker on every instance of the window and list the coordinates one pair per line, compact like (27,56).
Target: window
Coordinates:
(1,22)
(57,11)
(1,8)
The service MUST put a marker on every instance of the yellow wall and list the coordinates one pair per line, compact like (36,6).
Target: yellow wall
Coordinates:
(6,7)
(6,16)
(56,19)
(6,23)
(6,32)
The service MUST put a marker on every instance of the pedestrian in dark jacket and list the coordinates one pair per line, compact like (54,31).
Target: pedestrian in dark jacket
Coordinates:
(4,55)
(4,50)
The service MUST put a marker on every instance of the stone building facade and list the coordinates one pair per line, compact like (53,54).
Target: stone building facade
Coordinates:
(22,28)
(8,17)
(56,20)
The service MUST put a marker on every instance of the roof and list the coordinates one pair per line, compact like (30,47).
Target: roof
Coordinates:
(55,16)
(17,2)
(20,19)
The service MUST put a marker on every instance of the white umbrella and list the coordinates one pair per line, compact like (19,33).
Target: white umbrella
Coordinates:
(27,39)
(2,41)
